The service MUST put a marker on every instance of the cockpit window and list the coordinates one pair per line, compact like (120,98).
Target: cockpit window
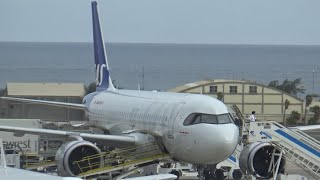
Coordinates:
(197,118)
(224,118)
(190,119)
(209,119)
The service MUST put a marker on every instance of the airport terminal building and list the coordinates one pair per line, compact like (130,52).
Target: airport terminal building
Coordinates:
(267,102)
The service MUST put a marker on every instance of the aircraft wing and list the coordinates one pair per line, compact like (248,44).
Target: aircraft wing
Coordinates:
(8,173)
(124,140)
(51,103)
(155,177)
(307,128)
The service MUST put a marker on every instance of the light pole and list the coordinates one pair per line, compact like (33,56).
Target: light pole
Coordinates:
(283,76)
(313,71)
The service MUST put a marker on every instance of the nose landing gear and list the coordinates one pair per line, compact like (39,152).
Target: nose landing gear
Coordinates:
(210,172)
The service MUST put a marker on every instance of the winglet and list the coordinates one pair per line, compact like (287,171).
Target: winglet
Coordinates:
(103,79)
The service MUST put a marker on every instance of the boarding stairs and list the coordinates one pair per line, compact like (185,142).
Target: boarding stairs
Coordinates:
(35,161)
(42,164)
(298,147)
(119,159)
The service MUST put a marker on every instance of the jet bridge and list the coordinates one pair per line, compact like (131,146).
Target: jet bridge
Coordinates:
(269,137)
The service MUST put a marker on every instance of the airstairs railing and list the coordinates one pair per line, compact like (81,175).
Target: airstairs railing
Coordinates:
(298,147)
(119,159)
(42,164)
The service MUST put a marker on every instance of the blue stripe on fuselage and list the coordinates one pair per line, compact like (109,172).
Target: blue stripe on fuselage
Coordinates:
(232,159)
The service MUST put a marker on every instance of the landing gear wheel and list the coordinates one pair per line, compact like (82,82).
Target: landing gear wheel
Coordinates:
(237,174)
(219,174)
(175,172)
(207,172)
(208,175)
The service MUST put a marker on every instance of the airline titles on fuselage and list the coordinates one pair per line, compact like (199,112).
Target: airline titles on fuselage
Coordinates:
(98,102)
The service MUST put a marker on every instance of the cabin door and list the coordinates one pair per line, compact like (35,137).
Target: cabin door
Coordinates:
(173,118)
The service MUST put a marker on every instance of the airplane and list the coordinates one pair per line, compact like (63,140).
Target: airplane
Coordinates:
(192,128)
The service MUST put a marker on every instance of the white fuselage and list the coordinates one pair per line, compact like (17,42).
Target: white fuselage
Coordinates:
(162,114)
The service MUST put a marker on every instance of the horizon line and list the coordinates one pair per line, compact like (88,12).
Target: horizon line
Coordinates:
(159,43)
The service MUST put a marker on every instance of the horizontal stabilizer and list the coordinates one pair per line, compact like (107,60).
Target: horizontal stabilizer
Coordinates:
(49,103)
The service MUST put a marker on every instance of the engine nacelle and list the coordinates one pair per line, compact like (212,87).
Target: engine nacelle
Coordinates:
(73,151)
(255,158)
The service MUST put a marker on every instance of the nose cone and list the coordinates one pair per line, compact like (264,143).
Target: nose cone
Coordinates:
(217,144)
(229,136)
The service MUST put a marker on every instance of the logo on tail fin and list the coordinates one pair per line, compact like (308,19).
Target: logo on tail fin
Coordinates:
(102,76)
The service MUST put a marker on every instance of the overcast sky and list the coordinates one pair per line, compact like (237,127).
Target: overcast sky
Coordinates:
(164,21)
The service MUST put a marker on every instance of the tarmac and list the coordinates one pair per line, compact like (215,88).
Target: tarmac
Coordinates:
(314,133)
(294,169)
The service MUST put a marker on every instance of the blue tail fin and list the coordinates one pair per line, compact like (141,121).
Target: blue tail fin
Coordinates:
(103,79)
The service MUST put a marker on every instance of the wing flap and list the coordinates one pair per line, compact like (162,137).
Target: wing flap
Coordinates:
(50,103)
(128,140)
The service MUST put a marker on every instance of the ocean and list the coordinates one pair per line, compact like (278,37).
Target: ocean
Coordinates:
(160,66)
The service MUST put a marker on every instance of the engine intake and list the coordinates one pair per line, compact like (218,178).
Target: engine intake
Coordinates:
(73,151)
(256,158)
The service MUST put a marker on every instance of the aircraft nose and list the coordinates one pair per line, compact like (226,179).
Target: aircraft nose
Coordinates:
(224,142)
(229,136)
(217,142)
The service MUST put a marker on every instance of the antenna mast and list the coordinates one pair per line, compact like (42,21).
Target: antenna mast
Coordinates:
(142,77)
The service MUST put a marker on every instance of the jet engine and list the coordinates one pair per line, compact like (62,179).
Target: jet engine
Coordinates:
(256,158)
(73,151)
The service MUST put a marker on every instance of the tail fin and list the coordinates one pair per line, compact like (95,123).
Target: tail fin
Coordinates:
(103,79)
